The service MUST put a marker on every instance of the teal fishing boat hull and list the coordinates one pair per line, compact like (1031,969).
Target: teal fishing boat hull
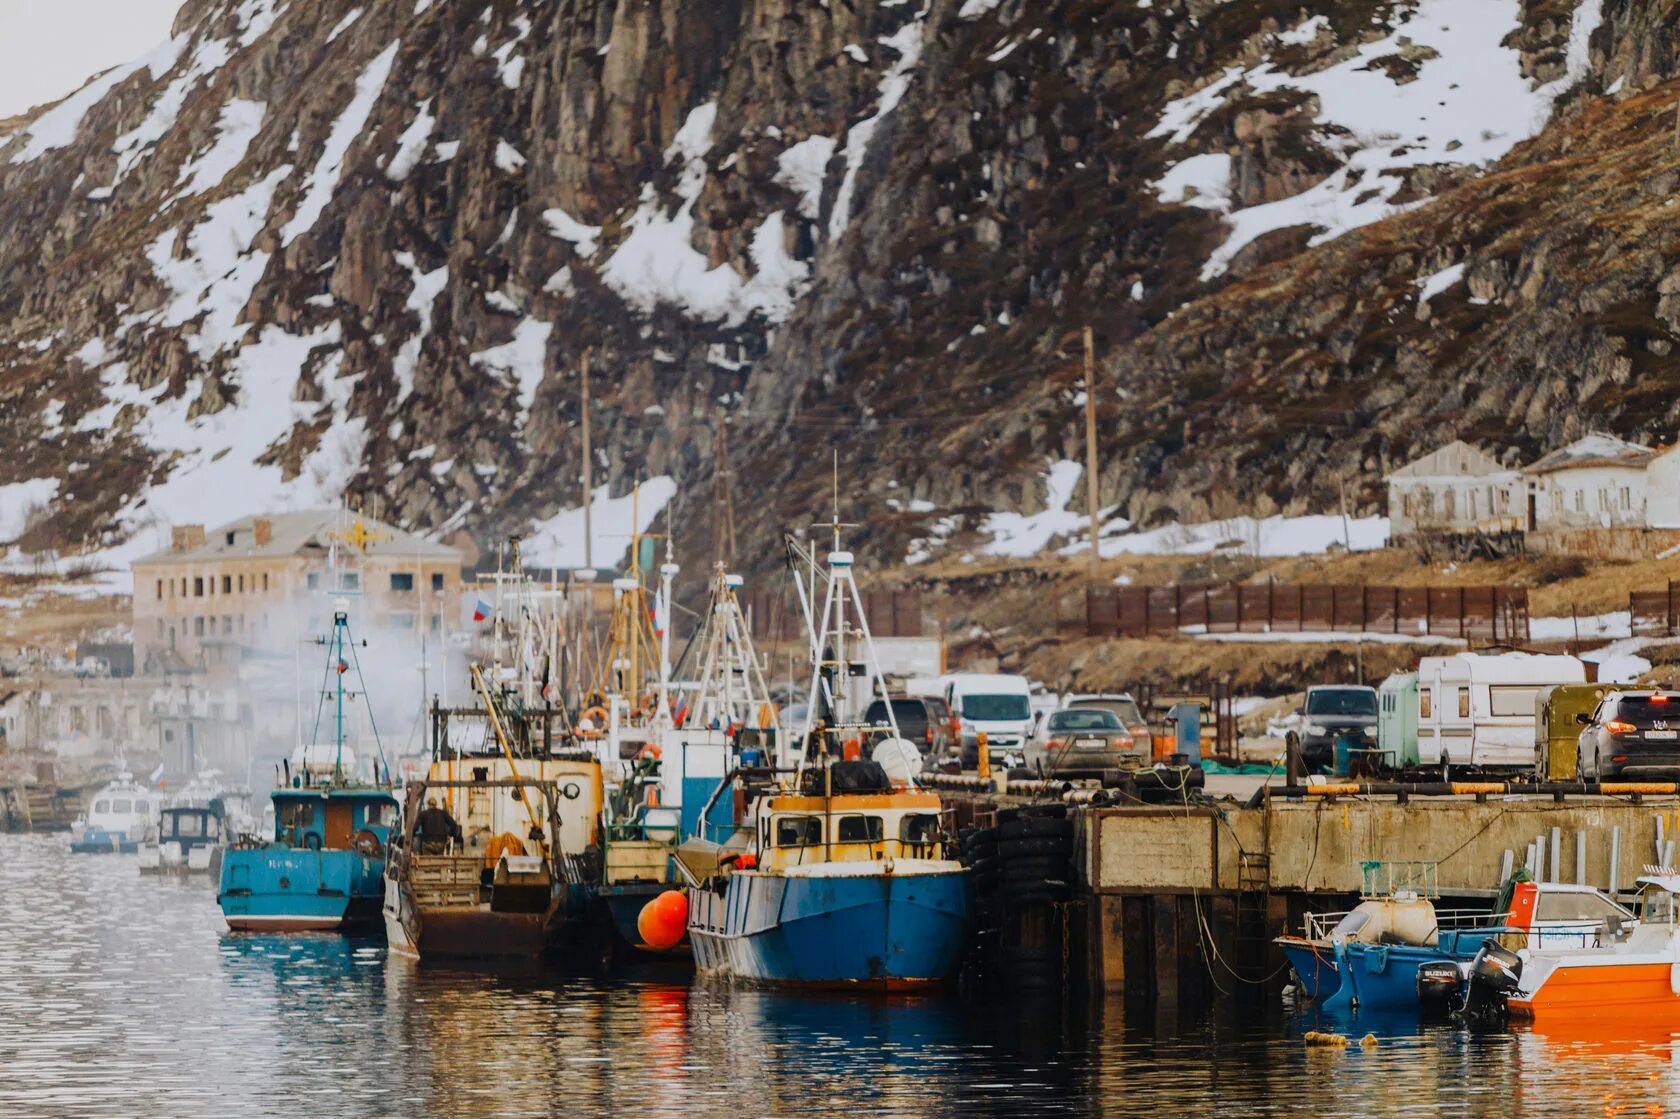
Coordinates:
(281,889)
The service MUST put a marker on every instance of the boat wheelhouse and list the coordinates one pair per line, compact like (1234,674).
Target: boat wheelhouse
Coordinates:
(187,840)
(117,818)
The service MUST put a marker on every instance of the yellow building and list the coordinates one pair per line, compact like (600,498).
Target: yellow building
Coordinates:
(266,582)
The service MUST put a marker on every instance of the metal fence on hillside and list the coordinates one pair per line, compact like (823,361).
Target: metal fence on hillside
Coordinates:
(1655,613)
(776,616)
(1486,614)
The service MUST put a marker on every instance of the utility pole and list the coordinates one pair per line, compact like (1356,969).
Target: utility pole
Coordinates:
(723,495)
(1091,451)
(588,488)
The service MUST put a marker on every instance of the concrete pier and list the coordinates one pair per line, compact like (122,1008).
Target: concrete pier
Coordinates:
(1186,900)
(1179,904)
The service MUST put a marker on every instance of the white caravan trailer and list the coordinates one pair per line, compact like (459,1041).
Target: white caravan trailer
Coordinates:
(1478,708)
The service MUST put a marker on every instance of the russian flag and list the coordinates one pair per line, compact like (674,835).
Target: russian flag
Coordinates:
(481,611)
(156,774)
(659,613)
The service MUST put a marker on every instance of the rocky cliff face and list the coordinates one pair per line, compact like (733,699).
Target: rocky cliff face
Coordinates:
(309,249)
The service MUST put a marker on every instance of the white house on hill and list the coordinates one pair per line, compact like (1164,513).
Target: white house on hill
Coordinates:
(1457,490)
(1598,481)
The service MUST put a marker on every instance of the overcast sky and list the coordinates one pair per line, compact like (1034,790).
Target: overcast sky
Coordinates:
(49,47)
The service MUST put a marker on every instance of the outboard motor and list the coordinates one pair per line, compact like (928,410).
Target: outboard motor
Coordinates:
(1494,976)
(1440,987)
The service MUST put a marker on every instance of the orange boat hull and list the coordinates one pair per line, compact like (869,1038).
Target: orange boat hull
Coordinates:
(1631,993)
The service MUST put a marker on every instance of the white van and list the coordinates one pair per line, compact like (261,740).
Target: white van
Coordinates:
(1478,708)
(1001,706)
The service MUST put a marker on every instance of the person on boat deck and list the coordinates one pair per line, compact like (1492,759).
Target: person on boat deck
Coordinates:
(435,827)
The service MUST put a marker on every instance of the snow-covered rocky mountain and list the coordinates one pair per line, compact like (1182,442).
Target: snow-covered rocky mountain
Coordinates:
(364,246)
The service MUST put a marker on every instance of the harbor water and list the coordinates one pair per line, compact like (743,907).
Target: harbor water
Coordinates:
(123,996)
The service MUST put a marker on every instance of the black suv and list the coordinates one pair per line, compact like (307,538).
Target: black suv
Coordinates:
(1330,711)
(924,722)
(1630,732)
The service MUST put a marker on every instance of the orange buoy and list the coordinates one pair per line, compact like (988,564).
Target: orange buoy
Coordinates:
(663,921)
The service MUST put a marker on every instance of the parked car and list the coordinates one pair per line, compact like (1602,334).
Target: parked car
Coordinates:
(925,722)
(1630,732)
(1084,742)
(1329,711)
(998,706)
(1125,708)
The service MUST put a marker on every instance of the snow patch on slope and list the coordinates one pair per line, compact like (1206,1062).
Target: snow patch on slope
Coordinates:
(19,500)
(217,273)
(657,262)
(523,357)
(907,41)
(238,126)
(59,125)
(1469,104)
(323,180)
(557,541)
(411,145)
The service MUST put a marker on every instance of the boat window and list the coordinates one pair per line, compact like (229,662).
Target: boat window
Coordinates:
(1658,908)
(1576,907)
(1348,927)
(380,814)
(1425,702)
(1463,702)
(798,831)
(142,806)
(102,806)
(861,829)
(121,806)
(189,825)
(919,827)
(1512,700)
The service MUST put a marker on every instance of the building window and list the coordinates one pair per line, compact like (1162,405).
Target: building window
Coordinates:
(160,590)
(227,626)
(242,584)
(230,539)
(227,584)
(402,621)
(437,580)
(160,627)
(437,622)
(314,580)
(198,626)
(1627,498)
(1472,504)
(265,580)
(1449,504)
(350,581)
(402,580)
(198,586)
(1405,509)
(1580,501)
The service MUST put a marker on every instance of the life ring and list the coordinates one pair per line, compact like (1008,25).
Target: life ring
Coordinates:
(596,715)
(312,840)
(648,750)
(570,790)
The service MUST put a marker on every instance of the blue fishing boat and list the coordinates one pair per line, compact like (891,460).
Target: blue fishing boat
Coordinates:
(1400,953)
(323,866)
(852,890)
(841,877)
